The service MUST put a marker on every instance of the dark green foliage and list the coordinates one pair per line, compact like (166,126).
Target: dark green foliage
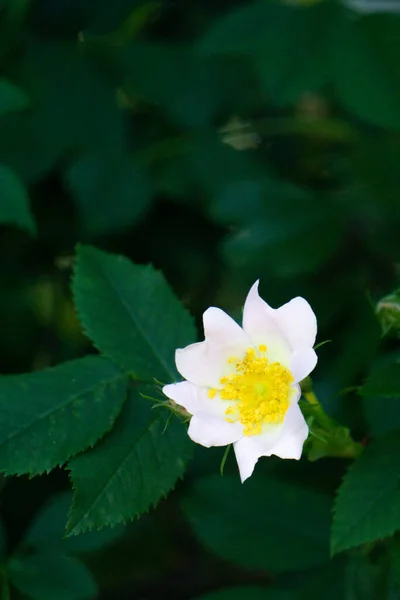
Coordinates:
(156,158)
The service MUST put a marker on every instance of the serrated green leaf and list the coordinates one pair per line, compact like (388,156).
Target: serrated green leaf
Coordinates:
(49,416)
(110,192)
(130,313)
(14,202)
(45,576)
(367,505)
(48,529)
(270,525)
(130,470)
(11,97)
(384,382)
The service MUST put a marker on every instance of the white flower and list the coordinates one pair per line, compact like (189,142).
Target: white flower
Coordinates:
(242,384)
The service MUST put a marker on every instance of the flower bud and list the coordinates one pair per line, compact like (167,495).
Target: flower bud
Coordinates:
(388,313)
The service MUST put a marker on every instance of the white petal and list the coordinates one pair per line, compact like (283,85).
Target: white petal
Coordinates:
(291,445)
(294,434)
(261,325)
(209,430)
(206,362)
(196,399)
(191,397)
(247,454)
(302,363)
(298,322)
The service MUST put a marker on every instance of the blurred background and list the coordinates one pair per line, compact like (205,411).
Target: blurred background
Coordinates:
(222,141)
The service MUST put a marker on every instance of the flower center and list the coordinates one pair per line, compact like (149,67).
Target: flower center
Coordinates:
(260,390)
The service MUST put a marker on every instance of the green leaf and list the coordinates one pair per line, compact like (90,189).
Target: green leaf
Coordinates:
(294,58)
(11,97)
(48,528)
(49,416)
(130,313)
(110,192)
(189,88)
(269,525)
(288,45)
(14,202)
(367,504)
(241,31)
(384,382)
(46,576)
(276,221)
(365,56)
(130,470)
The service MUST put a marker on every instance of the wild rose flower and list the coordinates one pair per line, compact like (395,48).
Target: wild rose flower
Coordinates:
(242,383)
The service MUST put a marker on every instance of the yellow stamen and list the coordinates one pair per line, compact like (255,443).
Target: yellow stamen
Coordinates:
(212,393)
(262,348)
(260,391)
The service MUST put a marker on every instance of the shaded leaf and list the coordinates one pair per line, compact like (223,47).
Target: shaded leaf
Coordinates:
(46,576)
(249,593)
(48,529)
(14,202)
(110,192)
(384,382)
(365,55)
(3,541)
(241,31)
(11,97)
(270,525)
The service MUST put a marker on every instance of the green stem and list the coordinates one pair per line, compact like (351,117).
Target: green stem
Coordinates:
(339,442)
(319,413)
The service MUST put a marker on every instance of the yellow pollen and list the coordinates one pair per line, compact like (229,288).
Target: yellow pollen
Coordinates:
(260,391)
(262,348)
(212,393)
